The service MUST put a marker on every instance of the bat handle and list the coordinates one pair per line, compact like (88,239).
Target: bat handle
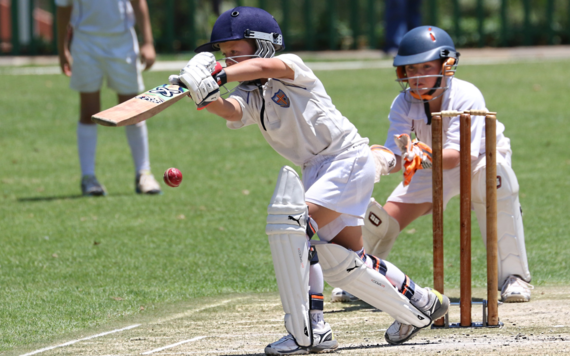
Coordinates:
(217,69)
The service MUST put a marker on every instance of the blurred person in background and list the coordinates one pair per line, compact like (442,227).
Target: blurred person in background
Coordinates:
(96,40)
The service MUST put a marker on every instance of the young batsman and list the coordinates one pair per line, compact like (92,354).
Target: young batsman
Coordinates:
(105,45)
(289,104)
(424,67)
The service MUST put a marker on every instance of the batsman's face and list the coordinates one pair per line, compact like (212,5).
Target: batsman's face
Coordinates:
(237,51)
(423,75)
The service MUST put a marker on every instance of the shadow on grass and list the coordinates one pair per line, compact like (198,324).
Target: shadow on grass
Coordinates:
(66,197)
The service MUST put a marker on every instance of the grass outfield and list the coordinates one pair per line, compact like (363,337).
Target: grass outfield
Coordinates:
(69,263)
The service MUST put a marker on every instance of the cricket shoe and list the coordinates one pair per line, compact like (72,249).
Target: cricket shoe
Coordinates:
(90,186)
(146,184)
(437,306)
(339,295)
(516,290)
(324,341)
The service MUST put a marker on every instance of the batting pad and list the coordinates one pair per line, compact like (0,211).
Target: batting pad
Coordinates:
(344,269)
(286,226)
(380,230)
(512,258)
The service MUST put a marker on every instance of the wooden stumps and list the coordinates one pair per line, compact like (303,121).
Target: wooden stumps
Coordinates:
(465,213)
(437,183)
(465,217)
(491,201)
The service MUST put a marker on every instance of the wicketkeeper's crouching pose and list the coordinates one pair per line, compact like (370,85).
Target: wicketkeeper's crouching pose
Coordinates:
(425,67)
(289,104)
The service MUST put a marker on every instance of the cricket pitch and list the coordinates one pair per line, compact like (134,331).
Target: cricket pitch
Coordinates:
(245,324)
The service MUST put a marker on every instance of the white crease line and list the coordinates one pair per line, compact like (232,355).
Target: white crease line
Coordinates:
(85,338)
(173,345)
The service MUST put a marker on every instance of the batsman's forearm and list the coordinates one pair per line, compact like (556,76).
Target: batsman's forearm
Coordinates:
(229,109)
(63,16)
(258,68)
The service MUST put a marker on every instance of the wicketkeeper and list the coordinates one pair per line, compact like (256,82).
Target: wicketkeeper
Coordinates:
(289,104)
(425,68)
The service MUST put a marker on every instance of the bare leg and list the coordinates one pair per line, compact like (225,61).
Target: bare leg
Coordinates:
(124,97)
(322,215)
(405,213)
(90,104)
(350,237)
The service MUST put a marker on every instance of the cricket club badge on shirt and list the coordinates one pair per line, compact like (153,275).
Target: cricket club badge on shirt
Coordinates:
(281,99)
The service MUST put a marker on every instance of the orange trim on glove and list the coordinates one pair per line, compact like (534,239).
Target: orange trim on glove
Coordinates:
(415,155)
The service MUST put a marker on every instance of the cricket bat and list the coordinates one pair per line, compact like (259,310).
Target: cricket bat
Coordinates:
(145,105)
(141,107)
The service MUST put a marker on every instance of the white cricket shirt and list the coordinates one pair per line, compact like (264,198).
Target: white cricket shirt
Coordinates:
(100,17)
(407,117)
(299,121)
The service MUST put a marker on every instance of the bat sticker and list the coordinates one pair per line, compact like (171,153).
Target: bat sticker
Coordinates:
(152,99)
(168,91)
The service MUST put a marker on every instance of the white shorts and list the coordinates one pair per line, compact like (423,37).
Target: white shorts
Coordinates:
(420,188)
(342,183)
(112,57)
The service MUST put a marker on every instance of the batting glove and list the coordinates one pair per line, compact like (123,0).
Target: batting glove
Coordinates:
(204,59)
(415,155)
(384,160)
(197,77)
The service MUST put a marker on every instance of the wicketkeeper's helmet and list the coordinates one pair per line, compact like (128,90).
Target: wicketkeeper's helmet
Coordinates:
(244,22)
(424,44)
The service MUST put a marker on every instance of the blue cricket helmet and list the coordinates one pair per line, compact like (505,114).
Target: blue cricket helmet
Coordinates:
(424,44)
(244,22)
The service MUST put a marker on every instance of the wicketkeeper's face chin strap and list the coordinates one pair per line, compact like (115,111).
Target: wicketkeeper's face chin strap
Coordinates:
(447,70)
(429,96)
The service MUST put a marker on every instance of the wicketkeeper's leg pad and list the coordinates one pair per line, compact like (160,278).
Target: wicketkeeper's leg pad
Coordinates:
(286,229)
(512,257)
(380,230)
(344,269)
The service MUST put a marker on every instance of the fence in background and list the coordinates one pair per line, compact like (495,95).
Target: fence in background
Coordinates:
(28,26)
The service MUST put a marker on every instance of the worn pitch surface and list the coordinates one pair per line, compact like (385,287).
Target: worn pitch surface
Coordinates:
(245,324)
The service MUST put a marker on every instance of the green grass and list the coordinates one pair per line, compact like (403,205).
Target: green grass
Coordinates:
(65,259)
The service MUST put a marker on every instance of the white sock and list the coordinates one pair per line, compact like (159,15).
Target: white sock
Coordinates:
(138,141)
(316,286)
(317,320)
(316,280)
(86,147)
(420,298)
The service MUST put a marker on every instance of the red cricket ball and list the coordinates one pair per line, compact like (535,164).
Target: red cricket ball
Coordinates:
(172,177)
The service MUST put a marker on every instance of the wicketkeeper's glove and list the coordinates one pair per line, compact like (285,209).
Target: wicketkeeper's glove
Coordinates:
(197,76)
(415,155)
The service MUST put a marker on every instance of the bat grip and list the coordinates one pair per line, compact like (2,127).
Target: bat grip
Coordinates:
(217,70)
(219,74)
